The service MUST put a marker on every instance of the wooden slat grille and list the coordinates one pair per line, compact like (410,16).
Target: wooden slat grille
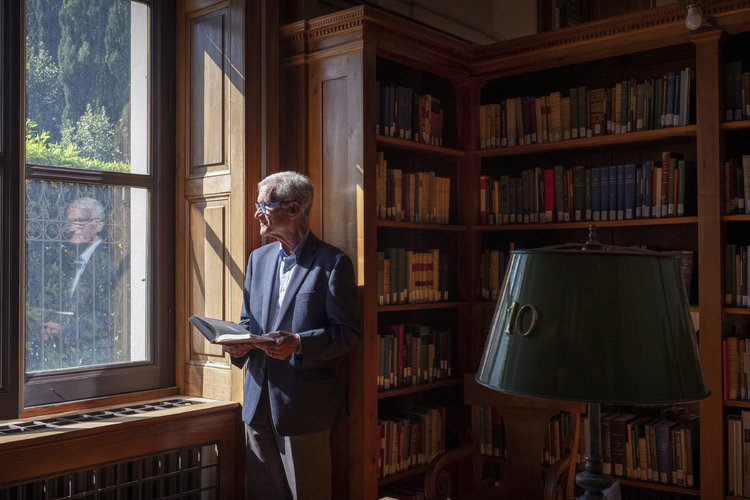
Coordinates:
(186,473)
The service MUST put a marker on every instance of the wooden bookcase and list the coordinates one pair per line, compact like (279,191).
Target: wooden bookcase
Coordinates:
(735,227)
(331,67)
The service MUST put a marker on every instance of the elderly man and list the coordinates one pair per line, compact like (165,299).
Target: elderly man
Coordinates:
(300,291)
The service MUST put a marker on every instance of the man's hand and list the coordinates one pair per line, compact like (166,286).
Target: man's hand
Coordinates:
(238,350)
(286,344)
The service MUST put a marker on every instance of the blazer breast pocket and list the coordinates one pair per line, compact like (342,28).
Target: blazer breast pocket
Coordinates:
(311,299)
(309,309)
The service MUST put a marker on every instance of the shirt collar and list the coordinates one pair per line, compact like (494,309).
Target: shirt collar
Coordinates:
(295,253)
(86,255)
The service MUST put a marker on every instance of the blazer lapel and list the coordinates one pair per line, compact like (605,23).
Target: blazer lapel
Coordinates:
(304,264)
(270,267)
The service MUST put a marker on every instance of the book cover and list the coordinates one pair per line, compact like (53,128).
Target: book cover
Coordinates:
(581,111)
(663,455)
(218,331)
(549,194)
(555,118)
(629,191)
(620,192)
(573,112)
(647,182)
(612,203)
(559,178)
(603,193)
(579,192)
(619,439)
(596,193)
(746,452)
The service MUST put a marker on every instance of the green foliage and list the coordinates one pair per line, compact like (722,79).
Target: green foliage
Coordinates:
(44,96)
(39,151)
(78,74)
(42,24)
(92,135)
(83,56)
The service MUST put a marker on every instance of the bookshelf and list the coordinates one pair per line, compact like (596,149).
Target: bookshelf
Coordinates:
(334,68)
(735,220)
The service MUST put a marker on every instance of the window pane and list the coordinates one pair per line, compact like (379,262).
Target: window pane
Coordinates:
(86,288)
(87,74)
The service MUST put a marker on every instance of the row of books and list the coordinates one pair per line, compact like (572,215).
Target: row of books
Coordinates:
(410,437)
(492,435)
(491,431)
(736,275)
(661,448)
(736,354)
(412,354)
(408,276)
(412,197)
(627,106)
(736,92)
(656,188)
(409,115)
(688,269)
(492,265)
(738,454)
(736,185)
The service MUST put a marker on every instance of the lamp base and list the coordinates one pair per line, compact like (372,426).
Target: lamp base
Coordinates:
(594,484)
(592,479)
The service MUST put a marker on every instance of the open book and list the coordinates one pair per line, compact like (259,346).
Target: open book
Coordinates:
(218,331)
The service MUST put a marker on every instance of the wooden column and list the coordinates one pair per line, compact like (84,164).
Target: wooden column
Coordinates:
(709,64)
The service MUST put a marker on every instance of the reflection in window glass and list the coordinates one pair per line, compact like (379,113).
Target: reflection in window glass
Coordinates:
(87,74)
(86,284)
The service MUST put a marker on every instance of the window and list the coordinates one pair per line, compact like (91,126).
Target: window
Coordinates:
(98,287)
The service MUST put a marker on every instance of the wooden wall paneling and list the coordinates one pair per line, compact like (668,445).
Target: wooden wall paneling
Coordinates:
(211,210)
(210,288)
(709,89)
(262,104)
(292,102)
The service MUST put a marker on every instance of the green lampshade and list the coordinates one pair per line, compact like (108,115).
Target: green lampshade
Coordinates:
(594,324)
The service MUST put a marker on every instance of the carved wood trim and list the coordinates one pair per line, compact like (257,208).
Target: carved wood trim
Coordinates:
(630,23)
(389,33)
(452,57)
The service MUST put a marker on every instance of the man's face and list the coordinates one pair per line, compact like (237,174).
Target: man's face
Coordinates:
(275,222)
(83,228)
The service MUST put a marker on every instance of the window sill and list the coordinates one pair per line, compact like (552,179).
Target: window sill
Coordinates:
(47,451)
(98,403)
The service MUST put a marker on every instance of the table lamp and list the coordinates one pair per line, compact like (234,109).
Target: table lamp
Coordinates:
(592,323)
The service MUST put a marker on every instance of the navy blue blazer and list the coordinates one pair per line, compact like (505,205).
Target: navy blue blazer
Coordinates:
(307,391)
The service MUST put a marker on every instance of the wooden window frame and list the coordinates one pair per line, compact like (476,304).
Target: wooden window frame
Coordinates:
(17,389)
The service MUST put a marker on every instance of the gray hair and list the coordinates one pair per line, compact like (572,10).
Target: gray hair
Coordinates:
(91,206)
(289,186)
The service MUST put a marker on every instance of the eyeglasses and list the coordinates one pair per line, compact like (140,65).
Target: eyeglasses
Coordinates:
(263,207)
(80,222)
